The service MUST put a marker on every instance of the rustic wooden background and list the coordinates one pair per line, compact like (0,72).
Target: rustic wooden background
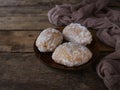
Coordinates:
(21,21)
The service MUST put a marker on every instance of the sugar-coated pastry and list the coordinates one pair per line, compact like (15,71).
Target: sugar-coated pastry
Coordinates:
(77,34)
(48,40)
(71,54)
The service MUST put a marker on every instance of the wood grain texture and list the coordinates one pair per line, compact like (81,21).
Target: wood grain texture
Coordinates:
(34,2)
(43,2)
(22,41)
(24,22)
(25,17)
(23,10)
(25,72)
(17,41)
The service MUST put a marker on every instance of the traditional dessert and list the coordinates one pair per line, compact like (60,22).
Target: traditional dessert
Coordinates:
(48,40)
(77,34)
(71,54)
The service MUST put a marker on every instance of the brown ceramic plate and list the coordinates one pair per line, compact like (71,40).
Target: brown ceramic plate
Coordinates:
(46,57)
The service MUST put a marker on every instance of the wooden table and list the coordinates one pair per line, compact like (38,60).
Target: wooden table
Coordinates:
(21,21)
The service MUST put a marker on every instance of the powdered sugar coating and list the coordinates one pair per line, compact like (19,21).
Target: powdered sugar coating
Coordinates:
(48,40)
(71,54)
(77,34)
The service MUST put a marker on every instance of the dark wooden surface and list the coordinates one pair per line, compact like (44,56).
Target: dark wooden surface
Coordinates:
(21,21)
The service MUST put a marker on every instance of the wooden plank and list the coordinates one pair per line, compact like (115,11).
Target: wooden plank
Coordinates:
(22,41)
(26,72)
(33,17)
(34,2)
(17,41)
(12,11)
(43,2)
(25,17)
(28,21)
(37,9)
